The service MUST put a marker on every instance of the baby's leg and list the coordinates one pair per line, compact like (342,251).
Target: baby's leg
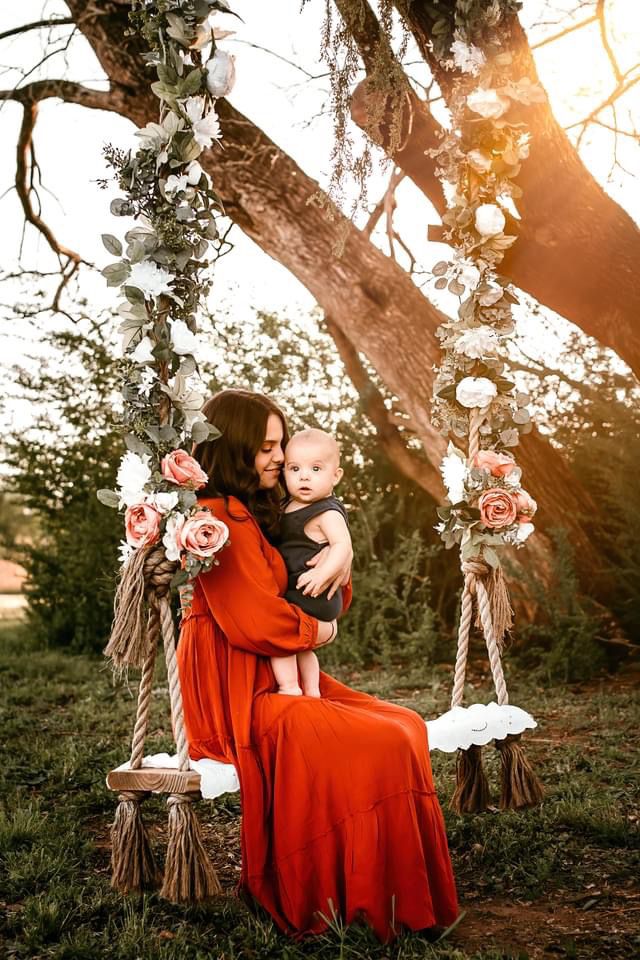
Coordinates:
(310,673)
(285,670)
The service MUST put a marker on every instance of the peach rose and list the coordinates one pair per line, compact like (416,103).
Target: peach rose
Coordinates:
(497,508)
(178,467)
(497,464)
(202,534)
(142,525)
(525,505)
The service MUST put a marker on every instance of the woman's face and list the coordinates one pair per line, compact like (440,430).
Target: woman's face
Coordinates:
(270,456)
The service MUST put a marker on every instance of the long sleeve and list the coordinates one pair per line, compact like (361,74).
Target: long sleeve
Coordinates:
(243,596)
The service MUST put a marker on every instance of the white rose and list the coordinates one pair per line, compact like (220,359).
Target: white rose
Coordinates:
(524,531)
(194,173)
(170,541)
(490,220)
(183,340)
(163,502)
(467,58)
(477,343)
(491,296)
(142,353)
(475,392)
(176,184)
(488,103)
(479,160)
(221,74)
(133,473)
(454,472)
(150,278)
(468,273)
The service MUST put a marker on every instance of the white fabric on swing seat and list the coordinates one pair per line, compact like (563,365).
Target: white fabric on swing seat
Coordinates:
(459,727)
(456,729)
(215,778)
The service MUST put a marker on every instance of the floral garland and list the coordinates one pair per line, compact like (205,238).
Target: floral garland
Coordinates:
(161,275)
(479,158)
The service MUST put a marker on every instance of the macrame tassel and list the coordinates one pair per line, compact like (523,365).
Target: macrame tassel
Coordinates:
(472,787)
(128,643)
(132,862)
(189,874)
(499,603)
(520,785)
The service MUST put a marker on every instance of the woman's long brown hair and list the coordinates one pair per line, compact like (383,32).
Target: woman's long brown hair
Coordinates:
(241,417)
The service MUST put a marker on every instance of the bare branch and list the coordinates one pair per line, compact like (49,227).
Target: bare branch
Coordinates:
(37,25)
(602,22)
(563,33)
(68,91)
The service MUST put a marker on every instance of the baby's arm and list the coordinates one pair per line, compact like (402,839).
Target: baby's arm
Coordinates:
(333,528)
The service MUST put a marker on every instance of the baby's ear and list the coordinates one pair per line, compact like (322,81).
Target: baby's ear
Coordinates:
(339,474)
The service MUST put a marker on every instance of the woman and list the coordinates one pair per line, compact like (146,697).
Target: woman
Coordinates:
(339,812)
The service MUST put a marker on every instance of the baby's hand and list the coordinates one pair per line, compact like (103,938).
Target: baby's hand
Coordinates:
(312,583)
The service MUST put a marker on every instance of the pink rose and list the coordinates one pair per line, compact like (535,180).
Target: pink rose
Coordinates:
(525,505)
(497,508)
(497,464)
(178,467)
(202,534)
(142,525)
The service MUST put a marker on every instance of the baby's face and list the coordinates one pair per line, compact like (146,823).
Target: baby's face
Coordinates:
(311,470)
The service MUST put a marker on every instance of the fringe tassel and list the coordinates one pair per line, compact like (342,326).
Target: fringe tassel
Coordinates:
(472,787)
(520,785)
(133,865)
(189,874)
(128,643)
(500,603)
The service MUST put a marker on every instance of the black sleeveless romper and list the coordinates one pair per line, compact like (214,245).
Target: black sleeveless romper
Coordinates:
(296,548)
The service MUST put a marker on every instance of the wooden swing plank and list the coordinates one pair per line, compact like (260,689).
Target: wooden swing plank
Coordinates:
(155,780)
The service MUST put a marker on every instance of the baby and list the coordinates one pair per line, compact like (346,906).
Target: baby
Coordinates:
(312,520)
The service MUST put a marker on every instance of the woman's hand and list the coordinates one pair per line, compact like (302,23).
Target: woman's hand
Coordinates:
(341,579)
(327,632)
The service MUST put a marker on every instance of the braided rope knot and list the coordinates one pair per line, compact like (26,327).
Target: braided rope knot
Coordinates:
(158,572)
(475,566)
(175,798)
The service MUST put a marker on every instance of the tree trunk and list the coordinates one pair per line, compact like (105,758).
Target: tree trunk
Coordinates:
(365,293)
(577,251)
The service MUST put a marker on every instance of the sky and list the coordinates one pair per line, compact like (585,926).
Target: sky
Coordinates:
(293,110)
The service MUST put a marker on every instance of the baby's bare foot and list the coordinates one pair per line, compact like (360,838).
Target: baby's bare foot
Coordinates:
(312,693)
(291,691)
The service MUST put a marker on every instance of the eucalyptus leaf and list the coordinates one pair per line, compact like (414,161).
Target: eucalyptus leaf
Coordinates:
(440,268)
(135,445)
(200,431)
(109,498)
(115,273)
(112,244)
(187,367)
(191,83)
(179,577)
(492,558)
(134,296)
(440,283)
(521,416)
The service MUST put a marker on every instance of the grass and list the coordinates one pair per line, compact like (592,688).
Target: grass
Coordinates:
(559,880)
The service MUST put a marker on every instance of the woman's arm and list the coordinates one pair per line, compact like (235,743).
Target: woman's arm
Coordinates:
(243,597)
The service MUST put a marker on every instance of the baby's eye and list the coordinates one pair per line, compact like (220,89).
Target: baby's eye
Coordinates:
(293,469)
(317,468)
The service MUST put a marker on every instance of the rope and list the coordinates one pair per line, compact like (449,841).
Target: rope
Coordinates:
(492,645)
(477,575)
(156,574)
(175,693)
(144,691)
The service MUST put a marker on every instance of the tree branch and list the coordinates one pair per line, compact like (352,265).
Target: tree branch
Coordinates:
(602,23)
(68,91)
(36,25)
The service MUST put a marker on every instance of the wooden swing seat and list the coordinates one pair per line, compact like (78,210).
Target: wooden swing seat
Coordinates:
(155,780)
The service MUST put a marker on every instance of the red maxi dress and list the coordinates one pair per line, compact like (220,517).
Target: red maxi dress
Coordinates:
(339,813)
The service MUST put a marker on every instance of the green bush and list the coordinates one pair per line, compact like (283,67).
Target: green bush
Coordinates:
(70,450)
